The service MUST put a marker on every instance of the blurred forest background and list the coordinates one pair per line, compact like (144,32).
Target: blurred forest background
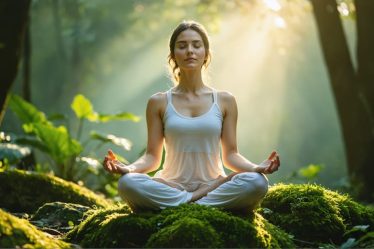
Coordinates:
(275,56)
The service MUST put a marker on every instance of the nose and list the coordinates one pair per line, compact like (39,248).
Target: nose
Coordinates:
(189,49)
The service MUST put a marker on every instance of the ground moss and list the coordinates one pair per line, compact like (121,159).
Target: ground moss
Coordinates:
(186,233)
(112,227)
(59,216)
(188,225)
(24,191)
(16,232)
(313,213)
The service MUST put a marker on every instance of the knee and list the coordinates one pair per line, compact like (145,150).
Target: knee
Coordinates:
(128,182)
(255,184)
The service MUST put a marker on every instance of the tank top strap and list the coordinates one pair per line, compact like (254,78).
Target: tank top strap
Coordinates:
(215,96)
(168,95)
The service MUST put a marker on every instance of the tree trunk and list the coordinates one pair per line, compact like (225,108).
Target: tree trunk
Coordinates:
(13,23)
(350,99)
(365,53)
(27,64)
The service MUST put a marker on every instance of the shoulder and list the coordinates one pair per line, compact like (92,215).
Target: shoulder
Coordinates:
(227,102)
(157,98)
(226,98)
(157,102)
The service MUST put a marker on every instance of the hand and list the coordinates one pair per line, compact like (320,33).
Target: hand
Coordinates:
(112,165)
(270,165)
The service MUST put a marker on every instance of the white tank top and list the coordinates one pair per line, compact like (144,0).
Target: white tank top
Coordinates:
(192,146)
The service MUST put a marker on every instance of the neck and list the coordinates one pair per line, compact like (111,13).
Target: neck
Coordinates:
(191,81)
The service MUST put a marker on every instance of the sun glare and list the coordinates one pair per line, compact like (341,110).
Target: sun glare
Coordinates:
(272,4)
(279,22)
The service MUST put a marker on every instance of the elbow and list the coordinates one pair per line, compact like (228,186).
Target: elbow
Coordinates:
(227,160)
(154,162)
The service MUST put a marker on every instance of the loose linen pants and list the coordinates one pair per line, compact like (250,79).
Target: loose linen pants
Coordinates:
(243,191)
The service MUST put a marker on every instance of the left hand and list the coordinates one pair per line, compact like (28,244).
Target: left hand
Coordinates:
(112,165)
(270,165)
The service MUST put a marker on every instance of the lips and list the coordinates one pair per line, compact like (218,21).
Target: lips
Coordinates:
(190,59)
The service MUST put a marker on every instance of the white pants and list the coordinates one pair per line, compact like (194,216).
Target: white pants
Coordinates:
(243,191)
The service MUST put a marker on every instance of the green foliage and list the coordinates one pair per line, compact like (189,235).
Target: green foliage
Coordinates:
(314,214)
(311,171)
(57,142)
(305,174)
(19,233)
(23,191)
(188,225)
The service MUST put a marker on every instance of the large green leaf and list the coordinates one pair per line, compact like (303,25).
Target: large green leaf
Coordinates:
(32,141)
(58,141)
(119,141)
(82,107)
(120,116)
(25,111)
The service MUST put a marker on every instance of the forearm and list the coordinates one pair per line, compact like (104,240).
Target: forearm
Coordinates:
(203,191)
(237,163)
(146,163)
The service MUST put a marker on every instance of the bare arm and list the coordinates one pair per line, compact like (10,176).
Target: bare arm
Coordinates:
(152,157)
(231,157)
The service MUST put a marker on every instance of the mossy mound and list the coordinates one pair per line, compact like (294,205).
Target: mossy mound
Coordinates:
(111,227)
(16,232)
(24,191)
(313,213)
(187,233)
(188,225)
(58,215)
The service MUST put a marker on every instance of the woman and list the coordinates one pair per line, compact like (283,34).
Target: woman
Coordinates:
(193,119)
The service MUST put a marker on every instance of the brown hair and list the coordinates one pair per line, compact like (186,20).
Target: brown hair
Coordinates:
(199,28)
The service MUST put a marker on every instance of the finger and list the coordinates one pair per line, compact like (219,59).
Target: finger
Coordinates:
(110,166)
(272,155)
(278,161)
(273,167)
(111,155)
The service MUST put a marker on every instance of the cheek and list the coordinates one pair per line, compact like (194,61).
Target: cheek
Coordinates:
(178,53)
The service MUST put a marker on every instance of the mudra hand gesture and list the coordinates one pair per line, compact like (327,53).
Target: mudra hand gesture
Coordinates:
(112,165)
(270,165)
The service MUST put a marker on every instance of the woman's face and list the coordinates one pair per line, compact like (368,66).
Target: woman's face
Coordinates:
(189,50)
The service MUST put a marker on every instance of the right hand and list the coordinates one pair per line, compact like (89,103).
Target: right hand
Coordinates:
(112,165)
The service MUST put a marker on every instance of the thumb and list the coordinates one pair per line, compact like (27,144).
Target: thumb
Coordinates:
(272,155)
(111,155)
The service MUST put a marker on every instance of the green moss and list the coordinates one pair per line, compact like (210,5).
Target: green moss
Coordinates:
(313,213)
(188,225)
(186,233)
(23,191)
(112,227)
(59,215)
(16,232)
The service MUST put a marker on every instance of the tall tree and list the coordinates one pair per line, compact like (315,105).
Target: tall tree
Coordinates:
(352,89)
(13,23)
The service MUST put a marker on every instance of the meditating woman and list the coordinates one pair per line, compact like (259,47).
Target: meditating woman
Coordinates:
(194,121)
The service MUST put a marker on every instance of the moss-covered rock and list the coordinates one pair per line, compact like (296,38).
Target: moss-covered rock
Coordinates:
(186,233)
(59,216)
(188,225)
(313,213)
(16,232)
(24,191)
(112,227)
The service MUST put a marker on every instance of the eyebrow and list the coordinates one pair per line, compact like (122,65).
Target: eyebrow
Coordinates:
(194,41)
